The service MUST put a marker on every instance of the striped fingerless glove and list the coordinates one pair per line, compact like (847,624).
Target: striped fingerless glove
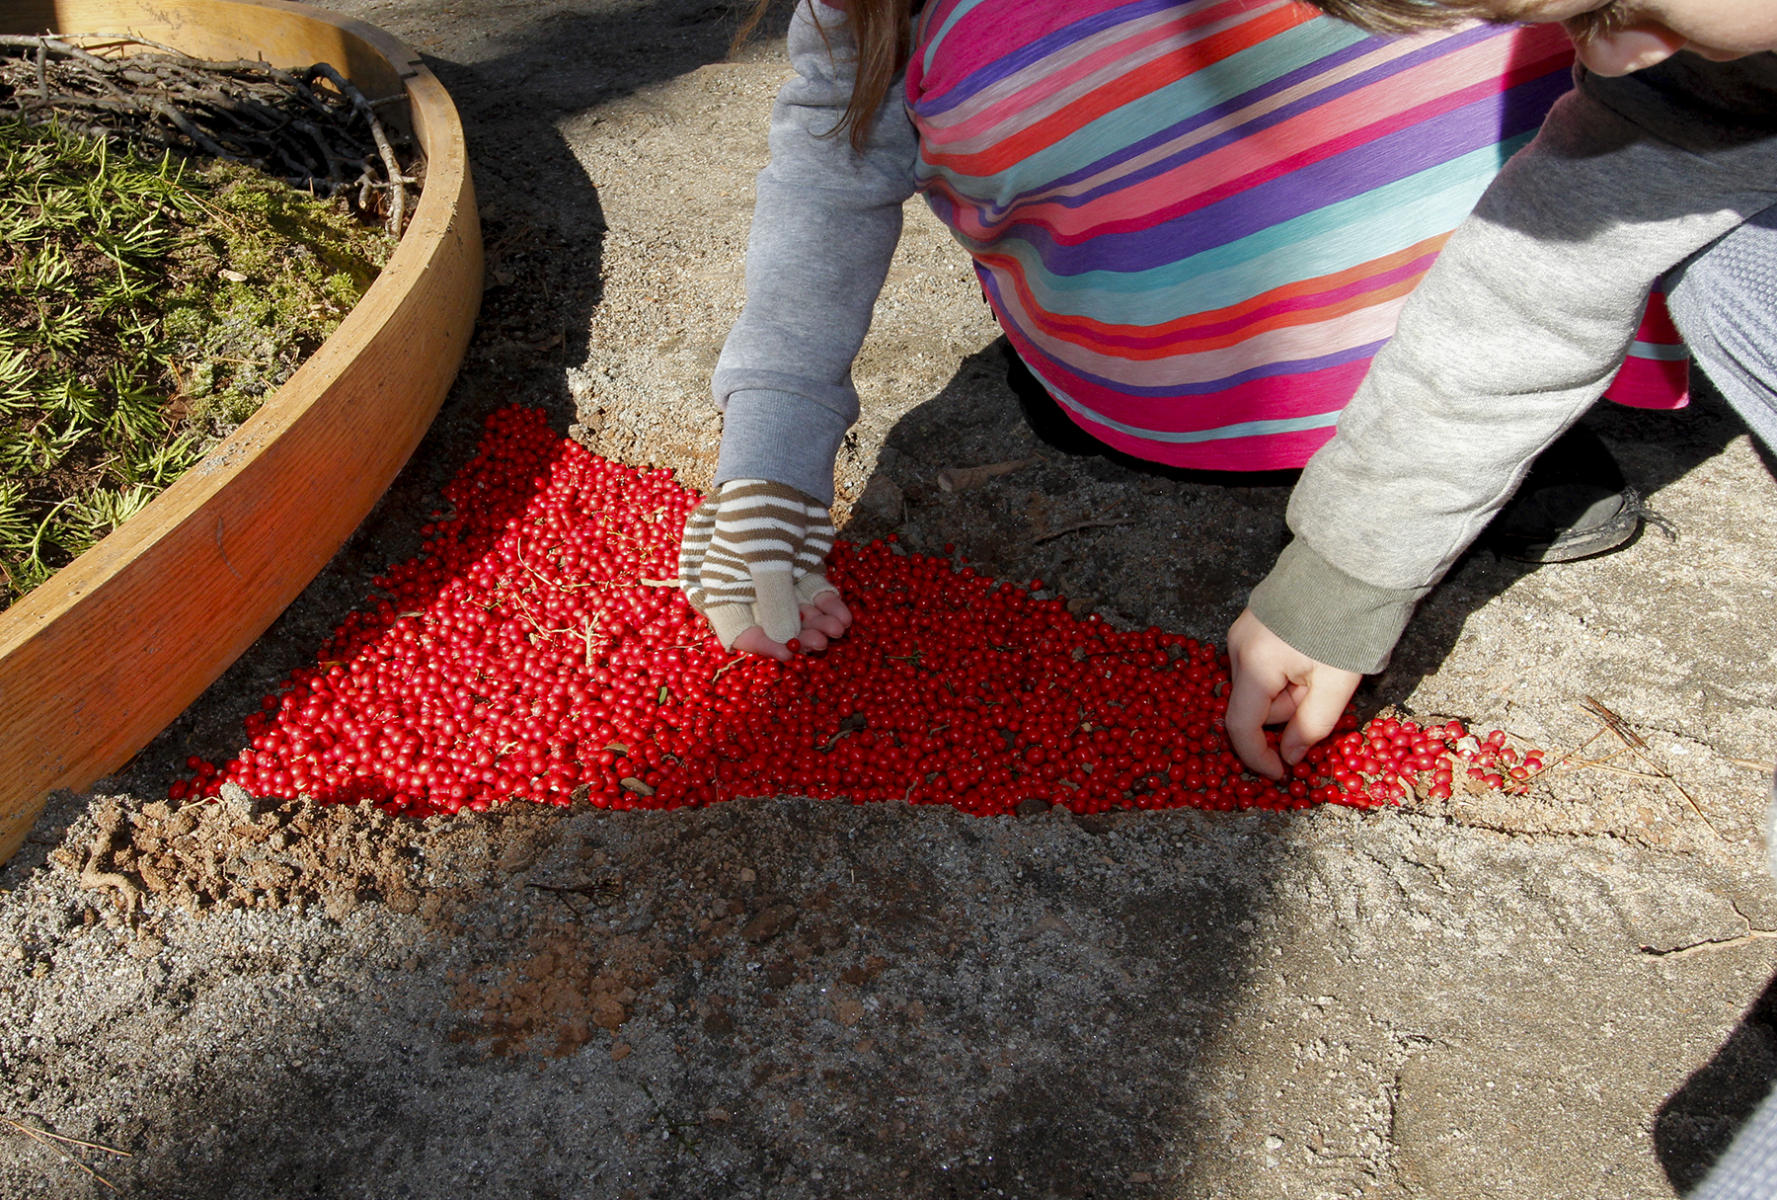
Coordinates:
(753,554)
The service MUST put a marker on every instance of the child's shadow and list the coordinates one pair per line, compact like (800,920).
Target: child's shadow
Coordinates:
(1695,1125)
(1141,544)
(1181,549)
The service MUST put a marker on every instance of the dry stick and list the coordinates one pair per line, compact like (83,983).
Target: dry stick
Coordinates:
(1567,755)
(397,181)
(207,86)
(183,124)
(45,45)
(1604,765)
(117,41)
(1744,939)
(1643,751)
(70,1141)
(45,1138)
(592,624)
(1096,523)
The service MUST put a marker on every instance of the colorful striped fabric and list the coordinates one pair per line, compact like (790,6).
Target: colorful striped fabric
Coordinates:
(1197,219)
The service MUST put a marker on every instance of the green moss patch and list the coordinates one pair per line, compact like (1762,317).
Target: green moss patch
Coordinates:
(146,310)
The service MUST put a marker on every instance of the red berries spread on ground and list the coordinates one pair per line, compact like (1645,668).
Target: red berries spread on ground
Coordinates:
(536,649)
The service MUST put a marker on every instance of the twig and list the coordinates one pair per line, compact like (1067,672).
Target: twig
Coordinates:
(1643,751)
(324,139)
(1096,523)
(1566,757)
(544,579)
(1744,939)
(1600,764)
(397,181)
(70,1141)
(1613,722)
(592,624)
(44,1137)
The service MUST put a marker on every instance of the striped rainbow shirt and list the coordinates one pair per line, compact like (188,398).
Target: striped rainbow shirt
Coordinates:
(1197,219)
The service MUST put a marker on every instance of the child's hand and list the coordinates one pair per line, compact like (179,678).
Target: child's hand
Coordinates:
(751,562)
(1274,682)
(827,618)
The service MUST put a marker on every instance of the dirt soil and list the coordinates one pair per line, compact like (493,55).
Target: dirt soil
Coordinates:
(1564,994)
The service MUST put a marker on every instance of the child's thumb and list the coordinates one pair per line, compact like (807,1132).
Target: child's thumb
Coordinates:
(774,603)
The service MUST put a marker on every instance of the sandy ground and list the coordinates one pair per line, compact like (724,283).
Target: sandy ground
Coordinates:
(1567,994)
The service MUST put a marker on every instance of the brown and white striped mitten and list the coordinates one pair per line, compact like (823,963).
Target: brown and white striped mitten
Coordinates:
(753,554)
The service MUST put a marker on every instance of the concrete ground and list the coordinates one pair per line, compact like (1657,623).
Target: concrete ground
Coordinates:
(1562,995)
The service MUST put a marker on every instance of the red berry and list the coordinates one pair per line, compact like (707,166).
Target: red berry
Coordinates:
(521,657)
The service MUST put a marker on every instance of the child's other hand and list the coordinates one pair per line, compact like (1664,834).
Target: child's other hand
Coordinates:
(1275,683)
(752,563)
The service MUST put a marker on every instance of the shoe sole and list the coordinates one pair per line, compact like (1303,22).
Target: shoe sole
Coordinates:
(1572,545)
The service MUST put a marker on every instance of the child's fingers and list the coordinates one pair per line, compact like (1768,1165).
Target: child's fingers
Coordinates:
(1249,705)
(811,585)
(1283,707)
(833,605)
(817,620)
(1318,709)
(756,551)
(755,641)
(727,621)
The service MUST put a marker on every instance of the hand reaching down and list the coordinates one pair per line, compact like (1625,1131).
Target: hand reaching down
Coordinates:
(752,563)
(1275,683)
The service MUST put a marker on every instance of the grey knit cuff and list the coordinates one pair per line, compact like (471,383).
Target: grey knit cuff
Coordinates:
(1330,616)
(782,437)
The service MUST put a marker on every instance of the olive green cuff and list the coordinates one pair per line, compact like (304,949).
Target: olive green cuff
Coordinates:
(1330,616)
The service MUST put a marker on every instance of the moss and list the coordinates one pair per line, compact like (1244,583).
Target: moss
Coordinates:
(146,310)
(260,287)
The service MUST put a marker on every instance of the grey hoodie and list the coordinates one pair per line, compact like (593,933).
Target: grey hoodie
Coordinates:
(1516,330)
(825,223)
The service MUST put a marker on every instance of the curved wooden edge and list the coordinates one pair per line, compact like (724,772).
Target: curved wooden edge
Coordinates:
(110,650)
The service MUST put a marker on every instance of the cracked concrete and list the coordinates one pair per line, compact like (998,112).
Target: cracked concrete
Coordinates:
(1561,996)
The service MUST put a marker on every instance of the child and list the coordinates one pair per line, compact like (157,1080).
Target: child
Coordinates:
(1662,163)
(1664,159)
(1195,219)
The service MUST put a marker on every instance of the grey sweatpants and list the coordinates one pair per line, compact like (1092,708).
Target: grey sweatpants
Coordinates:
(1724,301)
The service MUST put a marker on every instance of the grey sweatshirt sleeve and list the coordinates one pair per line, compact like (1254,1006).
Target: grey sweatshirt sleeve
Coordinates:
(1518,327)
(826,220)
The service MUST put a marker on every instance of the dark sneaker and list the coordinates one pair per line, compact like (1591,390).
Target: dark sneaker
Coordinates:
(1573,504)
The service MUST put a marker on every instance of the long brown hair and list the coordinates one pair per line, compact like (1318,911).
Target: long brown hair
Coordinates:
(1401,16)
(1411,16)
(883,30)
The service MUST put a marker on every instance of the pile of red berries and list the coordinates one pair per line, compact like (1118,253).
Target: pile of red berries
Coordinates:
(536,649)
(1390,757)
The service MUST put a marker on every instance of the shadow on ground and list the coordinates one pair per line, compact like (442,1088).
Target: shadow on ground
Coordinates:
(1695,1125)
